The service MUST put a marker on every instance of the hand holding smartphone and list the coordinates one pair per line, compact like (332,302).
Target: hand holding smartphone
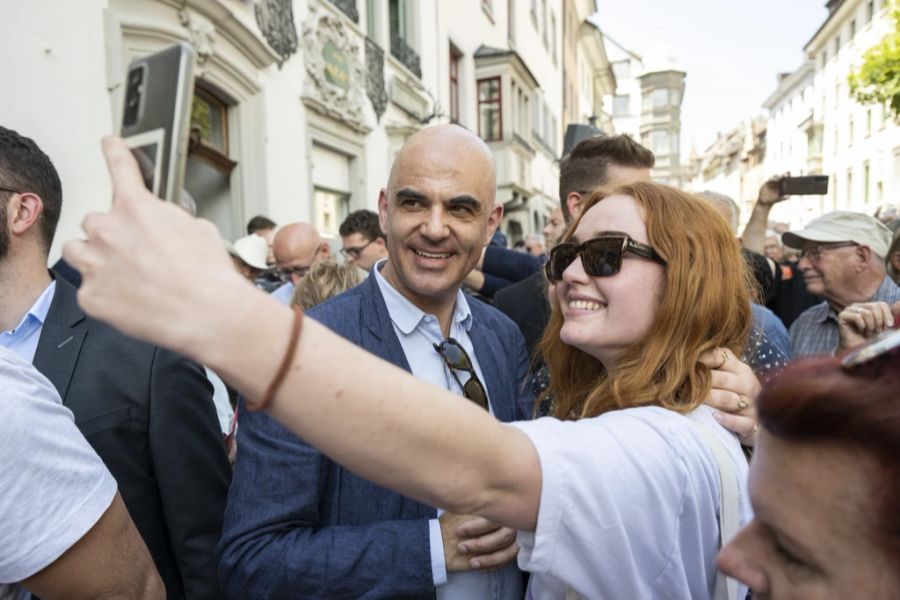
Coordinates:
(156,117)
(806,185)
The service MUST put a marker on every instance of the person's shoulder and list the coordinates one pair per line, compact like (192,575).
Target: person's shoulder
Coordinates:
(28,396)
(809,316)
(334,311)
(486,315)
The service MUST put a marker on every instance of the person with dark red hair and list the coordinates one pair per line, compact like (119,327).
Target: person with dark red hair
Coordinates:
(825,485)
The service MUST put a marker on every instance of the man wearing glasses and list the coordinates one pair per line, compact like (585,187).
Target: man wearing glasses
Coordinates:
(362,238)
(331,533)
(842,259)
(298,247)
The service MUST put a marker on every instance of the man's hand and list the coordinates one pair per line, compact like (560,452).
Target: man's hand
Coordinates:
(769,194)
(476,543)
(733,394)
(862,321)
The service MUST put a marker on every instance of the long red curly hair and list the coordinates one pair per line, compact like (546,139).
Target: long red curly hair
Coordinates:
(705,305)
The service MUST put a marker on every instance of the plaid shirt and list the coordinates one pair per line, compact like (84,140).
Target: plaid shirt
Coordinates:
(816,330)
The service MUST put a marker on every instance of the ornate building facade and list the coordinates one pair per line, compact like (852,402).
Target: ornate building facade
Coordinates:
(301,105)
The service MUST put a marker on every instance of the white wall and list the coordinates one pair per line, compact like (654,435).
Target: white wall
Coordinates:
(54,91)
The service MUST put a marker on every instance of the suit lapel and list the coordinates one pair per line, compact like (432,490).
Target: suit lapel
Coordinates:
(60,342)
(381,338)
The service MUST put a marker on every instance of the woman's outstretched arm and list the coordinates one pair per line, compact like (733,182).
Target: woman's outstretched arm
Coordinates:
(155,273)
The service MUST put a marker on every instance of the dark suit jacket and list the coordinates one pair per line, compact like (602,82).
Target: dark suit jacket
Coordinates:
(526,304)
(298,525)
(149,415)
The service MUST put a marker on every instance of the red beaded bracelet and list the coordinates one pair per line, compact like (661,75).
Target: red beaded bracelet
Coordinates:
(285,362)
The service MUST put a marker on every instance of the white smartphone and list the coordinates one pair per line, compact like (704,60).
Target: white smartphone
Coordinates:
(156,117)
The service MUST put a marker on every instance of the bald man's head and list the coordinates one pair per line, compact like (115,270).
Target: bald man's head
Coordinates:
(297,247)
(438,212)
(449,153)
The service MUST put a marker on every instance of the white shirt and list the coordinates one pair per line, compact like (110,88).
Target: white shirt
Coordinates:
(417,332)
(628,508)
(53,486)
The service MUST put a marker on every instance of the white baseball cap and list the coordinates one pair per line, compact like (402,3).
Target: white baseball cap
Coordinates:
(843,226)
(252,249)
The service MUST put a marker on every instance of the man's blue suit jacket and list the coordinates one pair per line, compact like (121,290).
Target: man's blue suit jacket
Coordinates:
(298,525)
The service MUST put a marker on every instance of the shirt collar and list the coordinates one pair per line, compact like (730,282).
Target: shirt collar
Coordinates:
(406,315)
(883,293)
(40,308)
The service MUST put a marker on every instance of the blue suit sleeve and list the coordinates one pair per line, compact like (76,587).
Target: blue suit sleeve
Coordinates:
(509,264)
(276,544)
(492,285)
(525,392)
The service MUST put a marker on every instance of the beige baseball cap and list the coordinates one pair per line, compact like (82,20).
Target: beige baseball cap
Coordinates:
(843,226)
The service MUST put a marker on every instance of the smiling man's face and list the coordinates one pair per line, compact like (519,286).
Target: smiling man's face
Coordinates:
(438,213)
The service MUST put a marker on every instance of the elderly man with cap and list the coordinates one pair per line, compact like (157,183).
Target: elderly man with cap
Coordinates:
(842,258)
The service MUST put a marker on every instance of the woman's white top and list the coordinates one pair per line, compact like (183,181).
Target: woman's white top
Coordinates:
(629,505)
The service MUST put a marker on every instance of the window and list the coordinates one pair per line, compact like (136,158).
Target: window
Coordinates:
(849,197)
(850,132)
(836,139)
(866,196)
(331,208)
(490,120)
(553,38)
(371,24)
(544,23)
(536,117)
(455,56)
(209,123)
(622,69)
(511,20)
(870,11)
(660,143)
(660,98)
(837,45)
(852,28)
(837,94)
(534,11)
(868,122)
(620,105)
(397,14)
(824,58)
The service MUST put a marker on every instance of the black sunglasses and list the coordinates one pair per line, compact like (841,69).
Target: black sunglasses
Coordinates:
(601,256)
(456,358)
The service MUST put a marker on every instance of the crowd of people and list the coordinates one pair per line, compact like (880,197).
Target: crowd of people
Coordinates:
(640,403)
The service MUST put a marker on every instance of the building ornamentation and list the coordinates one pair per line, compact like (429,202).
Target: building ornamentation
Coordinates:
(375,89)
(348,7)
(276,22)
(335,75)
(201,32)
(403,52)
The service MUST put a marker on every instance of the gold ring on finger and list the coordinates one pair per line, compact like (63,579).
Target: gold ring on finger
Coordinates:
(724,360)
(742,402)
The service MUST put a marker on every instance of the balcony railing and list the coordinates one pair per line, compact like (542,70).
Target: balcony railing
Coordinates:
(405,54)
(348,7)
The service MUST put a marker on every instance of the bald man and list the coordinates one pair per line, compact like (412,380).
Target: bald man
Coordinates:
(335,535)
(297,247)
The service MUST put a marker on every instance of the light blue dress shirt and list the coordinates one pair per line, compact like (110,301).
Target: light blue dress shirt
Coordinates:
(418,332)
(23,339)
(284,293)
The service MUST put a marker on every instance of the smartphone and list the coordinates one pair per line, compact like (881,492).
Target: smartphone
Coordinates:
(807,185)
(156,117)
(883,347)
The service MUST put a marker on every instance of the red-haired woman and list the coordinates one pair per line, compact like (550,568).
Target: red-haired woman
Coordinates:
(618,496)
(825,482)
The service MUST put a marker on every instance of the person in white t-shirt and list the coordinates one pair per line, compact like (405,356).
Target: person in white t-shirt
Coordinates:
(64,529)
(616,496)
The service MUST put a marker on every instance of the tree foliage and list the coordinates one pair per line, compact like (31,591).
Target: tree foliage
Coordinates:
(877,81)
